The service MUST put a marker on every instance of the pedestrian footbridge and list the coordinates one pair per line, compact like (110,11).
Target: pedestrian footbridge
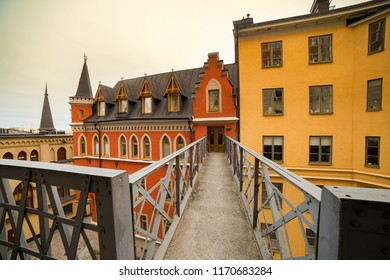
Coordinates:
(191,205)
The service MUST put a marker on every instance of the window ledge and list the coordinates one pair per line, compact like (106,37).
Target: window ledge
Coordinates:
(321,163)
(372,166)
(315,114)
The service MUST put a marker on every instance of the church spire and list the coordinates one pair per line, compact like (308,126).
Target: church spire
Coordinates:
(84,89)
(47,125)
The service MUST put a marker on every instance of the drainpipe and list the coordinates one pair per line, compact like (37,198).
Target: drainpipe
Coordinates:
(191,125)
(100,153)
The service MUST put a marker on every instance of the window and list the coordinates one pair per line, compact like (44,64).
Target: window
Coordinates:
(61,154)
(146,97)
(372,151)
(101,108)
(22,155)
(146,148)
(8,155)
(311,239)
(271,54)
(144,222)
(376,36)
(134,147)
(63,193)
(82,145)
(174,102)
(96,146)
(166,146)
(123,105)
(264,194)
(81,114)
(68,209)
(320,149)
(320,49)
(34,155)
(18,195)
(273,148)
(147,105)
(214,101)
(374,95)
(179,143)
(273,101)
(123,147)
(321,100)
(106,147)
(270,239)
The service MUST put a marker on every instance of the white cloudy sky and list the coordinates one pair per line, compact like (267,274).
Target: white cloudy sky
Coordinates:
(45,41)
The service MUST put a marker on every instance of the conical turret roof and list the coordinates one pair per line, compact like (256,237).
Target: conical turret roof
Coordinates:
(47,125)
(84,89)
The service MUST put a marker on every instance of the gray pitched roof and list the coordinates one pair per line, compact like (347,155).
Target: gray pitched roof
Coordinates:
(84,87)
(47,124)
(186,80)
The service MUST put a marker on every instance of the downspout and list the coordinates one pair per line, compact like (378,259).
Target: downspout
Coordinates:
(100,153)
(237,105)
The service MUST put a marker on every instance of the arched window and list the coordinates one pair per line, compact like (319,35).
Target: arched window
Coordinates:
(134,147)
(18,195)
(61,154)
(146,148)
(8,155)
(22,155)
(123,147)
(166,146)
(82,148)
(96,146)
(34,155)
(179,143)
(106,146)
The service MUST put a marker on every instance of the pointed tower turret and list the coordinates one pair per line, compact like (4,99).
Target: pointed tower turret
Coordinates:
(81,103)
(47,125)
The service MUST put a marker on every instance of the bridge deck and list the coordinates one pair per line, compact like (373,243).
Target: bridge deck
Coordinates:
(214,224)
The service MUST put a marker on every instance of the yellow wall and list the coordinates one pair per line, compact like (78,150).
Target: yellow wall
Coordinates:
(349,124)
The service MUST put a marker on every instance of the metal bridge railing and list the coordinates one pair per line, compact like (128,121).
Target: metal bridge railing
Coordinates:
(110,238)
(136,215)
(283,207)
(159,194)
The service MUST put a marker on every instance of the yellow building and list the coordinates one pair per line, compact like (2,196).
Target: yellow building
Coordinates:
(315,93)
(46,145)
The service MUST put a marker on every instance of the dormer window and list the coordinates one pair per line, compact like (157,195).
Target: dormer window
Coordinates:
(101,105)
(102,108)
(146,98)
(121,97)
(173,93)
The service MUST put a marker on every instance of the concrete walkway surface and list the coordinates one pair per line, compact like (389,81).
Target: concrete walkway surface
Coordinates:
(214,225)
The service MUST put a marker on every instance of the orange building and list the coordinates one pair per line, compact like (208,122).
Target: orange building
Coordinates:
(141,120)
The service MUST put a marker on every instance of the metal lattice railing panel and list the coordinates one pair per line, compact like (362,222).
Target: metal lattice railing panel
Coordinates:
(160,193)
(76,238)
(282,206)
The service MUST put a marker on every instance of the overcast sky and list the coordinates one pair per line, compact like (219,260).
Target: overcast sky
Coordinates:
(45,41)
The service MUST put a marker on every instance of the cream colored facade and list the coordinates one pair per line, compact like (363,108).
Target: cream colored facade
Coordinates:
(56,148)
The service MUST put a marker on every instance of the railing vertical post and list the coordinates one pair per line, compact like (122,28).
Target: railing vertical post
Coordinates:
(114,218)
(3,249)
(234,159)
(256,193)
(240,179)
(132,234)
(191,165)
(177,180)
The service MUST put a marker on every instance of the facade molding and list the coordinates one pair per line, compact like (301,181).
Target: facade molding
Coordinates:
(216,120)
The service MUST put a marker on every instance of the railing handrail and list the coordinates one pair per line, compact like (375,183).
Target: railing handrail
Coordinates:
(294,179)
(136,176)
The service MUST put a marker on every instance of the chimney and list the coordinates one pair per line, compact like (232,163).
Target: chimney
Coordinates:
(320,6)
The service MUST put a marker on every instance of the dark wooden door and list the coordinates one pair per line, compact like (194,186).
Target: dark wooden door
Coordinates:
(216,139)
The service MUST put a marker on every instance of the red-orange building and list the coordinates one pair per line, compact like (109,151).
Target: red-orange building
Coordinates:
(141,120)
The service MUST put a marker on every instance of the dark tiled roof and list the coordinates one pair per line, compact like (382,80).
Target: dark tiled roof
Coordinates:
(46,117)
(84,88)
(186,80)
(360,10)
